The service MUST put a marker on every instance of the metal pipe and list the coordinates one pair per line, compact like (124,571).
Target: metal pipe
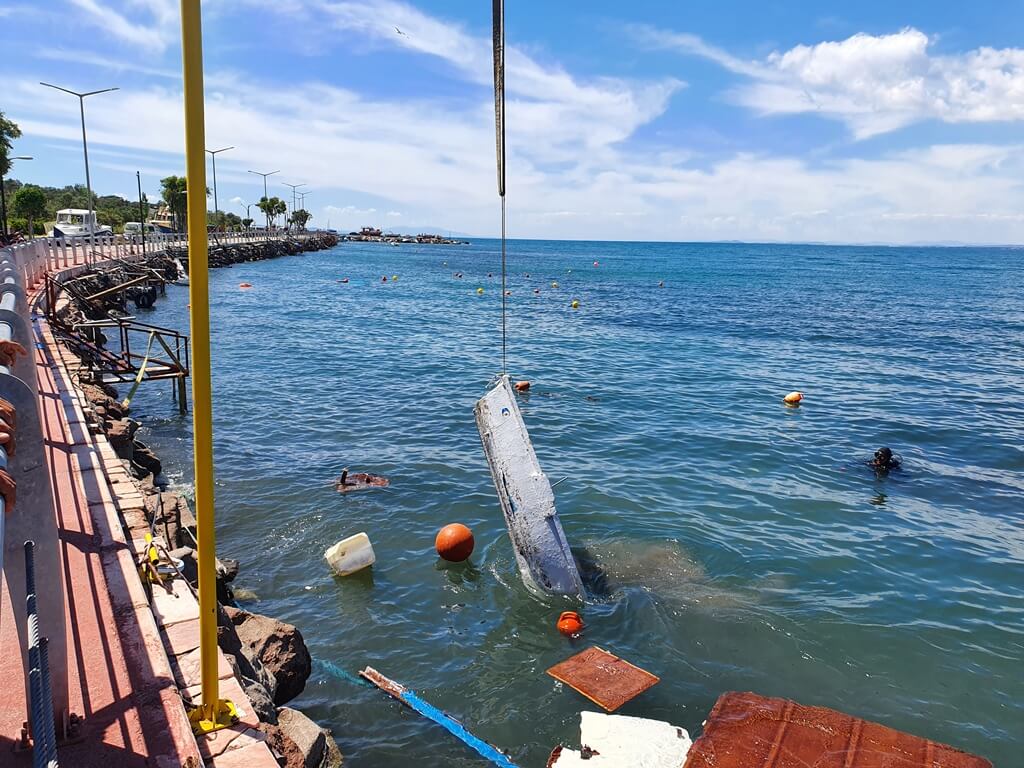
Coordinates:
(199,296)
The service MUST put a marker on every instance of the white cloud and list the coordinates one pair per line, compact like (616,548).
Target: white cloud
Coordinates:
(572,170)
(154,27)
(873,83)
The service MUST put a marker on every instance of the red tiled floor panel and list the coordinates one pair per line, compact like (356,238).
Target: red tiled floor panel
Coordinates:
(745,730)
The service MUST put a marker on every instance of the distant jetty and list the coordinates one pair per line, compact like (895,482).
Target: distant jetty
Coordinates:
(374,235)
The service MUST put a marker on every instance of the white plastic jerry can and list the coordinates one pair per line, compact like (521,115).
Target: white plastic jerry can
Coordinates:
(351,554)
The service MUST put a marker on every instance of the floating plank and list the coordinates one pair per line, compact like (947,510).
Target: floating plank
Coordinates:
(606,680)
(450,724)
(746,729)
(617,741)
(541,550)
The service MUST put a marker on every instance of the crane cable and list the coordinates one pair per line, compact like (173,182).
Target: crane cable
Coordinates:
(498,30)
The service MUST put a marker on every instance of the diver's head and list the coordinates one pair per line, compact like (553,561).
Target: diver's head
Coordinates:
(883,456)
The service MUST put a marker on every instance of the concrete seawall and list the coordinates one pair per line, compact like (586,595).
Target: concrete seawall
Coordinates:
(124,658)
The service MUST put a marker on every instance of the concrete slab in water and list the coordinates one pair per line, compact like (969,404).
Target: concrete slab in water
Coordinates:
(541,549)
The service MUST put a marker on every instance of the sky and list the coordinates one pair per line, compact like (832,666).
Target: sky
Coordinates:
(774,120)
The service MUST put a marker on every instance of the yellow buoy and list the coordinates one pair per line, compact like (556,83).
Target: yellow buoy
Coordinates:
(480,291)
(554,285)
(793,398)
(575,304)
(394,277)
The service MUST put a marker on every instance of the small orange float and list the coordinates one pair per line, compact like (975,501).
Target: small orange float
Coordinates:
(245,285)
(454,543)
(569,623)
(522,386)
(793,398)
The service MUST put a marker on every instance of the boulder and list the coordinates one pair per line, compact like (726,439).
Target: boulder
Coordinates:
(248,666)
(301,742)
(278,646)
(121,434)
(143,457)
(189,568)
(259,697)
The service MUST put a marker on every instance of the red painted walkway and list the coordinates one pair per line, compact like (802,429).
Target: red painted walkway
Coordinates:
(119,678)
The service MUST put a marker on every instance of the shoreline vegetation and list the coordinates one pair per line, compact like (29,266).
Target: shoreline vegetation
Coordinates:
(269,657)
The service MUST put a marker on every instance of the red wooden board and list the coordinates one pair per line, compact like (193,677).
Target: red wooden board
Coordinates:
(606,680)
(745,729)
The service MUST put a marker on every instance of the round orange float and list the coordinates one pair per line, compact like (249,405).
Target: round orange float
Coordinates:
(245,285)
(569,623)
(454,543)
(793,398)
(522,386)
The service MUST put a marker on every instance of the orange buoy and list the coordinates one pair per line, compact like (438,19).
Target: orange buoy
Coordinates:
(793,398)
(454,543)
(522,386)
(569,623)
(245,285)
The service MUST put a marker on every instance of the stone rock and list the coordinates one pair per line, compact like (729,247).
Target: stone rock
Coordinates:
(287,751)
(315,744)
(121,434)
(280,648)
(258,696)
(189,568)
(250,667)
(228,569)
(144,457)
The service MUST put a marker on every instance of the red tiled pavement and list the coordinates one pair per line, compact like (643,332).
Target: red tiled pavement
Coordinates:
(119,677)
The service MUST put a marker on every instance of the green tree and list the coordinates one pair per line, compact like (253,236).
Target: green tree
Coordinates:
(273,208)
(9,131)
(30,202)
(175,194)
(300,217)
(247,223)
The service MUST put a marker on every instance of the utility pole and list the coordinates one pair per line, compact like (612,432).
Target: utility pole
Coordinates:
(213,154)
(85,151)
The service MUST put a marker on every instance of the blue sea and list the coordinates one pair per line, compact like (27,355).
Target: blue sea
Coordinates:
(729,542)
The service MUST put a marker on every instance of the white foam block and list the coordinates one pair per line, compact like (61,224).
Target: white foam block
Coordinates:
(617,741)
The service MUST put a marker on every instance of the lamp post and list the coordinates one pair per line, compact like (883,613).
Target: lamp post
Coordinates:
(3,194)
(213,154)
(264,175)
(294,187)
(302,201)
(247,206)
(85,150)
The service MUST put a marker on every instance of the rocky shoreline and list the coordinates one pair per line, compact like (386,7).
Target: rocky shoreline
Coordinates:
(269,657)
(261,250)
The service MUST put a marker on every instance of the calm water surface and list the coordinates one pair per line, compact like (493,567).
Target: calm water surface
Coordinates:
(730,542)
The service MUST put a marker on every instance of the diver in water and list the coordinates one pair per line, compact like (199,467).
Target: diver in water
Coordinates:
(885,460)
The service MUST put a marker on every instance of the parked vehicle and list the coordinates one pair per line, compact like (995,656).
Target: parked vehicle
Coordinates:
(78,222)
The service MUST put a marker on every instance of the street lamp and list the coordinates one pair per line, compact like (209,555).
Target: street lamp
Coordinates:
(294,187)
(302,200)
(85,149)
(3,194)
(264,175)
(213,154)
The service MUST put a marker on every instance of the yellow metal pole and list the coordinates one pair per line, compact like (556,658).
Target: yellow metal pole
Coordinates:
(213,712)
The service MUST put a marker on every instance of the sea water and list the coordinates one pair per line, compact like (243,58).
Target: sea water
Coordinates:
(728,542)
